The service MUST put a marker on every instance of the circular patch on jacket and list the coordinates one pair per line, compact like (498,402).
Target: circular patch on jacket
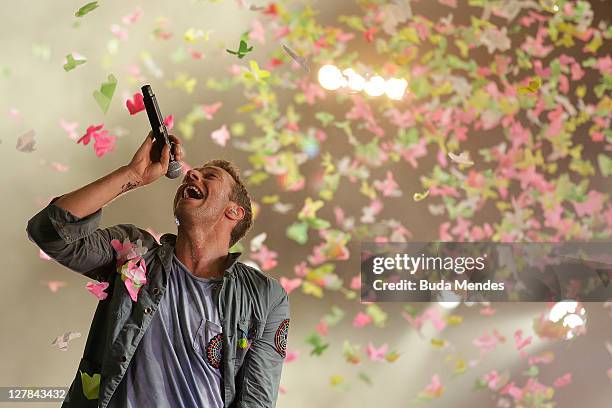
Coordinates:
(214,350)
(280,338)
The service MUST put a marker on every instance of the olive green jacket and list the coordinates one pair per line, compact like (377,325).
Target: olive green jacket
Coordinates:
(251,305)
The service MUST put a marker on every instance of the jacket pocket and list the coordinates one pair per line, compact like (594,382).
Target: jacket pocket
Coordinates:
(208,343)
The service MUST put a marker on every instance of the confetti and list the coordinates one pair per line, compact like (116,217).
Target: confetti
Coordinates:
(533,86)
(62,341)
(71,63)
(420,196)
(97,289)
(301,61)
(104,96)
(243,48)
(90,385)
(462,158)
(86,9)
(220,136)
(26,142)
(136,104)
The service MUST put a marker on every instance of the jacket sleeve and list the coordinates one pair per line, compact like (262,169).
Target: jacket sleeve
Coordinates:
(78,243)
(264,361)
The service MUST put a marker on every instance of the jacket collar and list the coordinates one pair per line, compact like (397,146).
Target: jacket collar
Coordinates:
(165,252)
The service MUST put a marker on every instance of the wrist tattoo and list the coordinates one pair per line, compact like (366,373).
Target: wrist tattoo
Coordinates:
(129,186)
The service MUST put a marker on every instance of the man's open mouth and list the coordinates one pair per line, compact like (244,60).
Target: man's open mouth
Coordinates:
(192,192)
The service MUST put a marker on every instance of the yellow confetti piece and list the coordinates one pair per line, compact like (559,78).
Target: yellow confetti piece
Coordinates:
(437,343)
(367,190)
(460,366)
(420,196)
(533,86)
(310,288)
(183,82)
(392,357)
(336,379)
(454,320)
(270,199)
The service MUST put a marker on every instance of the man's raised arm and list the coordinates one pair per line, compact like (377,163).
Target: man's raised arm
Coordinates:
(67,229)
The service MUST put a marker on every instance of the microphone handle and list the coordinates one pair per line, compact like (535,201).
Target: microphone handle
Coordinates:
(160,133)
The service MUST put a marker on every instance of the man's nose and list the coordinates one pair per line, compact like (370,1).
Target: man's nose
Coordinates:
(193,175)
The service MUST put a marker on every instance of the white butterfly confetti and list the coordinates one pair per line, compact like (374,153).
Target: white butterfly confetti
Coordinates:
(62,341)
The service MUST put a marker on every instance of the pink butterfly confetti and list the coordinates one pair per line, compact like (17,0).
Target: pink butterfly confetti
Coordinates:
(322,328)
(520,341)
(119,32)
(136,104)
(376,354)
(103,144)
(434,388)
(486,342)
(133,273)
(127,250)
(169,122)
(15,114)
(70,128)
(210,110)
(291,356)
(97,289)
(361,320)
(563,380)
(59,167)
(54,286)
(492,379)
(258,33)
(290,284)
(132,17)
(221,135)
(265,257)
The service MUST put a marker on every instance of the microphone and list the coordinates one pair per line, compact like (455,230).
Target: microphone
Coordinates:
(160,133)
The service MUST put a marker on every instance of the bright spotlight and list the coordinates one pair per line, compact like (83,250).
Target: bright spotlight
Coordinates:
(571,314)
(355,81)
(375,86)
(449,299)
(395,88)
(330,77)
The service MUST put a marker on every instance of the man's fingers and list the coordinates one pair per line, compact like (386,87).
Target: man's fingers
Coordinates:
(177,149)
(165,158)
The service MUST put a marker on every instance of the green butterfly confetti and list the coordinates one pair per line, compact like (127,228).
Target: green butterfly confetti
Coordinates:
(104,96)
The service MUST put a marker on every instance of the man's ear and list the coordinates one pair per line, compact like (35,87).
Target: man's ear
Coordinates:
(236,212)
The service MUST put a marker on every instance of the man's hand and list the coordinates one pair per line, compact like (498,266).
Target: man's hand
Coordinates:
(148,165)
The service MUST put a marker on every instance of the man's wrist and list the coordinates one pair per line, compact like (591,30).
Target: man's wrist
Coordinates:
(131,180)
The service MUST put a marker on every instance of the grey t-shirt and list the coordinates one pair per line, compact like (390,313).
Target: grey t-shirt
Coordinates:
(178,360)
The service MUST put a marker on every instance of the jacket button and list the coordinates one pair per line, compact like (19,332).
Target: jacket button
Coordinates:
(147,310)
(123,359)
(156,291)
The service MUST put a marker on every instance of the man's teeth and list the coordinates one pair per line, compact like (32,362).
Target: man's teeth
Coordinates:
(192,192)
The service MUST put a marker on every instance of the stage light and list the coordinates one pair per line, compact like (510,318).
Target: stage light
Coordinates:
(355,81)
(375,86)
(395,88)
(331,78)
(571,314)
(448,299)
